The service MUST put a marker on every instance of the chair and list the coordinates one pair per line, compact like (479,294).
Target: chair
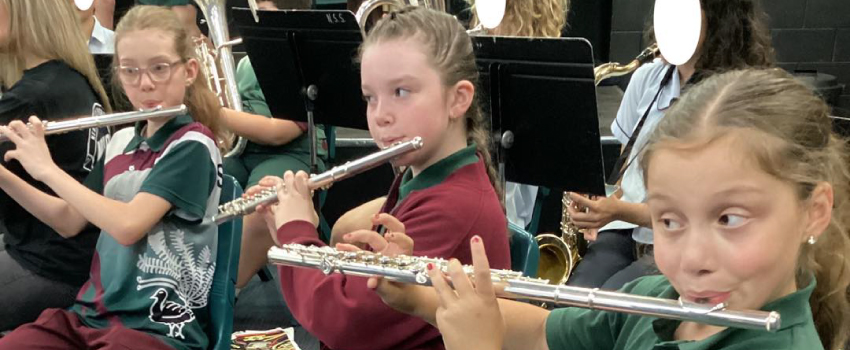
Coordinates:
(524,251)
(223,291)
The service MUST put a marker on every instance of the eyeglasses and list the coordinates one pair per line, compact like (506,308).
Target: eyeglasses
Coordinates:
(158,73)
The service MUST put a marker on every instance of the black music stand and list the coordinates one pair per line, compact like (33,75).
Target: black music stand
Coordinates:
(304,61)
(541,95)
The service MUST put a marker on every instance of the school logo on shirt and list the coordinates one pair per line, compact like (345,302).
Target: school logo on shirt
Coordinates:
(178,272)
(97,140)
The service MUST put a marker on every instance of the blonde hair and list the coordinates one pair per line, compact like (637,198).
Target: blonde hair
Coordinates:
(791,138)
(449,49)
(202,103)
(534,18)
(50,30)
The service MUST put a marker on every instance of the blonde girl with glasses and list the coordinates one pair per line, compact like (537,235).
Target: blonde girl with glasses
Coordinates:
(149,194)
(45,71)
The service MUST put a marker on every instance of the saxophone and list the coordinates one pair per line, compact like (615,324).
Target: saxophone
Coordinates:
(559,254)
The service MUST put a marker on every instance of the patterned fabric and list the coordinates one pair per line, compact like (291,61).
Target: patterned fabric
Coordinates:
(160,284)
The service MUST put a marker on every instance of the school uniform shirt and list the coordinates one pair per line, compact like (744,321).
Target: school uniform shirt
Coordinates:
(102,40)
(639,94)
(51,91)
(577,328)
(160,284)
(441,208)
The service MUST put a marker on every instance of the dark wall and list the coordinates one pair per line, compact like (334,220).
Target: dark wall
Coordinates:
(807,35)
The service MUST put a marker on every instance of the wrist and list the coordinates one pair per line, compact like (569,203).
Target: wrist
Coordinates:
(52,174)
(620,212)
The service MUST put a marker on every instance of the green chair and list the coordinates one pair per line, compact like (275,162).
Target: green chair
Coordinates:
(542,193)
(223,292)
(524,251)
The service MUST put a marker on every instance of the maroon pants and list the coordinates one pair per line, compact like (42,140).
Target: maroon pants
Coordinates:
(58,329)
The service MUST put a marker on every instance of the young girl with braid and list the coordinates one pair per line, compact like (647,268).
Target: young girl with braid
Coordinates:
(749,195)
(418,79)
(542,18)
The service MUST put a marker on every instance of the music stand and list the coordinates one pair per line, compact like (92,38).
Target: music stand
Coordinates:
(541,95)
(305,65)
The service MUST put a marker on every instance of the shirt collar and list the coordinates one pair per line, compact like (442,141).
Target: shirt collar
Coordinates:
(101,39)
(158,139)
(794,309)
(437,172)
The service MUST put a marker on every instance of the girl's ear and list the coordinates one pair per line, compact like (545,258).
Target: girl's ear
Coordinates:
(819,211)
(193,68)
(460,98)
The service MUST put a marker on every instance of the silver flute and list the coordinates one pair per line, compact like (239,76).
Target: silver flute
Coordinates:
(63,126)
(244,206)
(513,285)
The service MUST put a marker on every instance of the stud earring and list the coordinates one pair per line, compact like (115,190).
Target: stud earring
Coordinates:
(812,240)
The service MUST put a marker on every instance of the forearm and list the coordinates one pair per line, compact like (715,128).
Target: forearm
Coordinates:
(260,129)
(525,325)
(635,213)
(359,218)
(53,211)
(107,214)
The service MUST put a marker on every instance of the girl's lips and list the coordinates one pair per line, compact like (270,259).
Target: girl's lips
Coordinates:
(151,104)
(387,142)
(709,298)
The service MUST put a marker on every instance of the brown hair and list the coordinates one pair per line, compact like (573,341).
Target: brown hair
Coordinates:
(791,139)
(48,29)
(535,18)
(449,48)
(203,105)
(736,37)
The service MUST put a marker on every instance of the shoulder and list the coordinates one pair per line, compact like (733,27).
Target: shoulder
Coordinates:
(55,71)
(52,80)
(194,136)
(650,74)
(467,190)
(464,203)
(244,66)
(794,338)
(119,141)
(648,286)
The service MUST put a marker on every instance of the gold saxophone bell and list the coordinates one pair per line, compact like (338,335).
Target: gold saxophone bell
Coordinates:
(559,255)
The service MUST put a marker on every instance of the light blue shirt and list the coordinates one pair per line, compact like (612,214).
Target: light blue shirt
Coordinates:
(519,203)
(102,39)
(639,94)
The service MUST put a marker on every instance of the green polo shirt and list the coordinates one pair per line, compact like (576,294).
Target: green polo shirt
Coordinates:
(253,101)
(437,172)
(159,285)
(578,328)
